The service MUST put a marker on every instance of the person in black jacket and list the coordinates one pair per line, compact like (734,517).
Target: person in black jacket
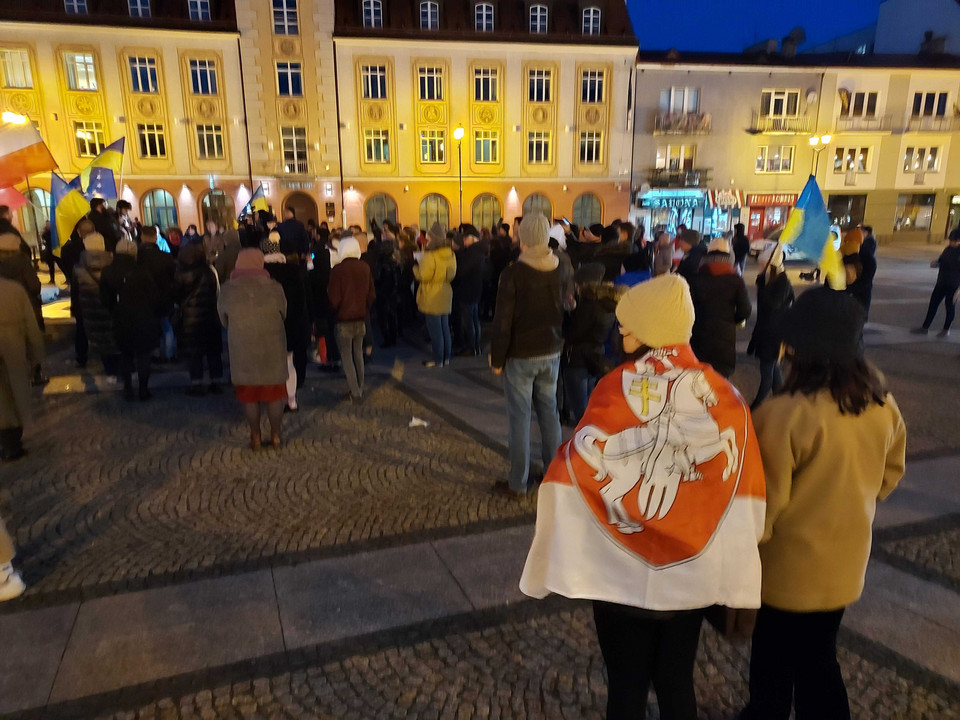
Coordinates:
(741,247)
(195,292)
(693,253)
(868,265)
(468,289)
(161,266)
(947,287)
(774,297)
(721,302)
(386,280)
(129,293)
(293,232)
(105,222)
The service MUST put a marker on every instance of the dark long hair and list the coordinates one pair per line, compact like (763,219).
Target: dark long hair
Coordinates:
(853,384)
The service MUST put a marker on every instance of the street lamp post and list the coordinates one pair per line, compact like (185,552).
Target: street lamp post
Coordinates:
(458,136)
(819,143)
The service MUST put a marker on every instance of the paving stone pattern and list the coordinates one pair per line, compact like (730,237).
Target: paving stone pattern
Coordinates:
(121,495)
(937,554)
(539,668)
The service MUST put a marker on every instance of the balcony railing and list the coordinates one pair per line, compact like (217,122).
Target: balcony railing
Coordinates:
(780,125)
(933,124)
(668,123)
(663,178)
(298,166)
(873,123)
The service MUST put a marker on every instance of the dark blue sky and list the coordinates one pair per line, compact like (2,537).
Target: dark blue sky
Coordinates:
(732,25)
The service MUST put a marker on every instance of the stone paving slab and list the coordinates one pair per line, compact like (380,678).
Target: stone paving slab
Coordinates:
(928,490)
(929,549)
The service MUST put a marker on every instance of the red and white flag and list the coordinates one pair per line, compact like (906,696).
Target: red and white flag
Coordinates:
(22,153)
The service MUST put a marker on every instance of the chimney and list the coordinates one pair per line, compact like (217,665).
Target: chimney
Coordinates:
(789,45)
(932,44)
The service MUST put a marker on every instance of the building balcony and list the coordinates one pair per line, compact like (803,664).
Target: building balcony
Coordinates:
(296,167)
(874,123)
(664,178)
(779,124)
(933,124)
(670,123)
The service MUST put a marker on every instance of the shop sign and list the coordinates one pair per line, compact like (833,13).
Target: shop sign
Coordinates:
(725,198)
(678,202)
(771,199)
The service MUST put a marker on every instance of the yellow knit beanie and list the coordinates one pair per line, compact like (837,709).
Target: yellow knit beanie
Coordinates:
(658,312)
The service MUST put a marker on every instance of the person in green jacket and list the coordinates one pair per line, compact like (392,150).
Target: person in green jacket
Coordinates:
(435,272)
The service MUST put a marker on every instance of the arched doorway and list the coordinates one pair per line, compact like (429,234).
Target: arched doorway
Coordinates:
(35,213)
(304,206)
(587,210)
(538,203)
(434,208)
(486,211)
(380,207)
(160,209)
(216,205)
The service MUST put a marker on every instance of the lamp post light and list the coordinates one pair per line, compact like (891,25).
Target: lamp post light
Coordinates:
(819,143)
(458,136)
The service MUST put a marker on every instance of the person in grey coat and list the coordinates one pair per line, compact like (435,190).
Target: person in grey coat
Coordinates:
(21,348)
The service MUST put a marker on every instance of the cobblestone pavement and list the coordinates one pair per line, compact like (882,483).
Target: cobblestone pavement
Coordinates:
(116,495)
(930,550)
(533,668)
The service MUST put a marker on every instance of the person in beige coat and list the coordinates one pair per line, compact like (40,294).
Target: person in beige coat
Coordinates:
(21,349)
(833,443)
(436,271)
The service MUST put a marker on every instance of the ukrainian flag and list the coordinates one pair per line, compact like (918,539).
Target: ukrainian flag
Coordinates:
(808,231)
(99,178)
(69,206)
(259,200)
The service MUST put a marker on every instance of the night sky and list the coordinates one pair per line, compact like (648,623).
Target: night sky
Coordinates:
(732,25)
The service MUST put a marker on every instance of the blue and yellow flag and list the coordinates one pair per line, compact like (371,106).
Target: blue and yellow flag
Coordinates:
(259,200)
(808,231)
(99,178)
(69,205)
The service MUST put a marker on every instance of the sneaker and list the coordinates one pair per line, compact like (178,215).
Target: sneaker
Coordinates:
(943,333)
(11,584)
(920,331)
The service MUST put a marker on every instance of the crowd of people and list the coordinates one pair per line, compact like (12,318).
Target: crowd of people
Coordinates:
(672,497)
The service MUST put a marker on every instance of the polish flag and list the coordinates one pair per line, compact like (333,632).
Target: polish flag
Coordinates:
(22,153)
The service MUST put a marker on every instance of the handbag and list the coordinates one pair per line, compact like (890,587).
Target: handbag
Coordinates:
(735,624)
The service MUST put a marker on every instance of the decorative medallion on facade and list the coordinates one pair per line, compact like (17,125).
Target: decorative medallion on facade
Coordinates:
(374,113)
(291,110)
(486,115)
(540,115)
(84,105)
(20,103)
(592,116)
(287,47)
(147,107)
(206,109)
(431,113)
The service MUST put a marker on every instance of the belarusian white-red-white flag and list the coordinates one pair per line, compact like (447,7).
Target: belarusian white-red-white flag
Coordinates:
(22,153)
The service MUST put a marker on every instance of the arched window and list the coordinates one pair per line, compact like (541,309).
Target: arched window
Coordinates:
(591,21)
(538,203)
(538,18)
(483,17)
(159,209)
(429,15)
(380,207)
(587,210)
(216,205)
(36,214)
(372,13)
(486,211)
(434,208)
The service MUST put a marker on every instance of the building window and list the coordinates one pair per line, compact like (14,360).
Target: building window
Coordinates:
(919,159)
(780,103)
(431,83)
(139,8)
(429,15)
(75,7)
(374,78)
(680,100)
(860,104)
(89,138)
(851,160)
(294,141)
(929,104)
(159,209)
(486,211)
(143,74)
(199,10)
(487,146)
(434,208)
(538,148)
(539,85)
(591,86)
(591,148)
(431,146)
(203,76)
(587,210)
(153,142)
(285,17)
(372,13)
(774,159)
(914,212)
(538,203)
(483,17)
(381,207)
(675,157)
(81,71)
(539,16)
(289,79)
(591,21)
(210,142)
(15,65)
(485,82)
(376,146)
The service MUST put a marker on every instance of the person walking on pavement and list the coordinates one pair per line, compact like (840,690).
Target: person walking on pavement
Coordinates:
(833,443)
(352,294)
(774,298)
(652,561)
(435,272)
(21,349)
(195,291)
(741,247)
(526,343)
(948,284)
(468,286)
(693,253)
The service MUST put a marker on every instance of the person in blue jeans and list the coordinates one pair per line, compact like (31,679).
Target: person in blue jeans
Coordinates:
(526,343)
(436,271)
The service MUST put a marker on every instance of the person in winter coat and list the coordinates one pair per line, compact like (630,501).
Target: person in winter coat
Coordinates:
(351,293)
(615,248)
(226,259)
(722,303)
(16,266)
(947,287)
(127,290)
(774,298)
(741,247)
(407,249)
(646,514)
(435,272)
(386,281)
(161,267)
(105,222)
(252,308)
(662,254)
(21,349)
(694,251)
(323,321)
(833,444)
(585,333)
(468,288)
(96,318)
(195,291)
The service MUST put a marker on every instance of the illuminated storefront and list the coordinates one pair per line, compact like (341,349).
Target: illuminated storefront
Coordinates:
(665,209)
(768,213)
(723,211)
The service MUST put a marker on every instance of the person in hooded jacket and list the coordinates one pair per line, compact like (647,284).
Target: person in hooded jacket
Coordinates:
(740,246)
(195,291)
(96,318)
(352,293)
(774,298)
(722,303)
(435,272)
